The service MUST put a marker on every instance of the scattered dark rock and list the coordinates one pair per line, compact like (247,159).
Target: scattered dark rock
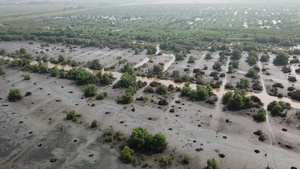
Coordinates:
(286,69)
(288,147)
(221,155)
(256,151)
(40,145)
(172,110)
(283,129)
(258,133)
(53,160)
(229,86)
(278,85)
(140,98)
(224,137)
(199,149)
(91,155)
(295,95)
(154,84)
(149,90)
(213,74)
(262,138)
(212,99)
(294,61)
(292,79)
(177,101)
(27,94)
(291,89)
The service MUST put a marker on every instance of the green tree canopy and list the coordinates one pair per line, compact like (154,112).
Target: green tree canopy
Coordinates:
(90,90)
(157,68)
(15,95)
(282,58)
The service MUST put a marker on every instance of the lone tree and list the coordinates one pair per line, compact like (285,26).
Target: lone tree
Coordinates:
(94,64)
(90,90)
(15,95)
(192,59)
(282,58)
(151,50)
(157,68)
(217,65)
(260,116)
(128,155)
(55,72)
(142,140)
(27,77)
(236,55)
(127,98)
(162,89)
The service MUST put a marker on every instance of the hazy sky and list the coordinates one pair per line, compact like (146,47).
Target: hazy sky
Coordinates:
(167,1)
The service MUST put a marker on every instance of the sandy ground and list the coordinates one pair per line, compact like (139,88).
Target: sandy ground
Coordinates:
(36,121)
(106,56)
(34,130)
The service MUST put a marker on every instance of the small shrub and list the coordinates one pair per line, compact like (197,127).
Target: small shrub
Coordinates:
(90,90)
(212,164)
(163,102)
(161,89)
(192,59)
(260,116)
(55,72)
(127,98)
(166,161)
(145,164)
(94,124)
(208,56)
(27,77)
(2,72)
(186,159)
(15,95)
(72,115)
(100,96)
(127,155)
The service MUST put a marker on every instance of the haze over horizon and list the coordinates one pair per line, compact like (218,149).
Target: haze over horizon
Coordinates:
(154,1)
